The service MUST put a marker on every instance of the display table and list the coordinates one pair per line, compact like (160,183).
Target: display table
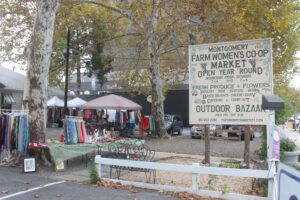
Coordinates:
(63,152)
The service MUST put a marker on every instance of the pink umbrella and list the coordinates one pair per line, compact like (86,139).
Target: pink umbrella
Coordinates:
(112,101)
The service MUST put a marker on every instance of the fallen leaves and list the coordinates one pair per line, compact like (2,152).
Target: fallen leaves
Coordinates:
(188,196)
(116,185)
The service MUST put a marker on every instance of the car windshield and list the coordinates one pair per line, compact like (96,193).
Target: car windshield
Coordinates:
(168,117)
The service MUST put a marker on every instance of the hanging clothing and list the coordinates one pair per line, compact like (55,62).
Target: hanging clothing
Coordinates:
(145,124)
(14,132)
(87,114)
(74,131)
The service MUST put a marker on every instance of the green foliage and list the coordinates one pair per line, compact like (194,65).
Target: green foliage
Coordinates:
(296,166)
(100,64)
(210,183)
(225,188)
(263,146)
(285,145)
(94,176)
(288,145)
(251,20)
(265,188)
(230,165)
(282,115)
(91,27)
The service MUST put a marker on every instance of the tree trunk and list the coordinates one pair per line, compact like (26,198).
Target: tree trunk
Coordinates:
(157,106)
(35,91)
(207,145)
(247,146)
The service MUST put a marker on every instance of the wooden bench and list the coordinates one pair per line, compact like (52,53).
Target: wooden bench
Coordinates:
(136,152)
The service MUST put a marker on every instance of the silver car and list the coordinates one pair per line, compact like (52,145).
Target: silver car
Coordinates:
(197,131)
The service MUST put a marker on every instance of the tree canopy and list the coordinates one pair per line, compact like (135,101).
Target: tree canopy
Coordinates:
(151,37)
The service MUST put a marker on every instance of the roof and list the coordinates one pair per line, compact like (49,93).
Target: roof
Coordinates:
(54,91)
(12,81)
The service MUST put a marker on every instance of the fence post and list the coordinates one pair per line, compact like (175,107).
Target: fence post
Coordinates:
(98,164)
(195,179)
(270,132)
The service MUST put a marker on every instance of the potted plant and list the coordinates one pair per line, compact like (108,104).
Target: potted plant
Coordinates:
(288,151)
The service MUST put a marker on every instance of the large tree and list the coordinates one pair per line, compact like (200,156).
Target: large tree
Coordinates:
(231,20)
(35,91)
(91,27)
(158,26)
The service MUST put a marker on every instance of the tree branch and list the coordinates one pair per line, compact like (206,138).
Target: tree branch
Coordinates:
(116,10)
(119,36)
(109,39)
(167,31)
(173,49)
(128,16)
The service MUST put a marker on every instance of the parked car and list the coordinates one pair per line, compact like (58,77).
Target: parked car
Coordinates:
(242,129)
(173,123)
(197,131)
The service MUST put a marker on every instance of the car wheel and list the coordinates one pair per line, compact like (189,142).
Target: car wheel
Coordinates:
(179,131)
(243,137)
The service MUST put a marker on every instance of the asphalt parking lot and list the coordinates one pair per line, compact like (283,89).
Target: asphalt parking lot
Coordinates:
(15,185)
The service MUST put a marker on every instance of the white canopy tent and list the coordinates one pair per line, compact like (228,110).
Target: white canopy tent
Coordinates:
(55,102)
(54,105)
(76,103)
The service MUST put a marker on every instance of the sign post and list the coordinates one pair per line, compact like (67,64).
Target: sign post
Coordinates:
(227,81)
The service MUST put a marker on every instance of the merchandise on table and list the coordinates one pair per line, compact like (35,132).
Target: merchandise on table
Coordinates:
(74,130)
(14,130)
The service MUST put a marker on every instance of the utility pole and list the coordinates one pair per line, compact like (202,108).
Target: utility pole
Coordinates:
(67,74)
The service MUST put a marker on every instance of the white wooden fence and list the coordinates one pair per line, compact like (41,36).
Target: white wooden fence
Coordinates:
(196,172)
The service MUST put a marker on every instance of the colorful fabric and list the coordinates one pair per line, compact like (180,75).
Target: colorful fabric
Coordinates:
(145,124)
(74,131)
(14,131)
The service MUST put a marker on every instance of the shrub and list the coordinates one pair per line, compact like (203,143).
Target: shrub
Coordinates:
(286,145)
(94,176)
(263,147)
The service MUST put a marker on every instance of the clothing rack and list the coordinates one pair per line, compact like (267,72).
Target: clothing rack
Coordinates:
(74,130)
(76,117)
(13,111)
(14,130)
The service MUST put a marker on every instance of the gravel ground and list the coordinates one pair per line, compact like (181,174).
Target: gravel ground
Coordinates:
(218,147)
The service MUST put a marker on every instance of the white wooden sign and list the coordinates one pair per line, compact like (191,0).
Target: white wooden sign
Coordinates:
(227,81)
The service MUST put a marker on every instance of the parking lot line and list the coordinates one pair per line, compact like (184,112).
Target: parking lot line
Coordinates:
(30,190)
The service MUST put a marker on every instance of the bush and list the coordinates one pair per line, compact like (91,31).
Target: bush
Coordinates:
(263,147)
(94,176)
(286,145)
